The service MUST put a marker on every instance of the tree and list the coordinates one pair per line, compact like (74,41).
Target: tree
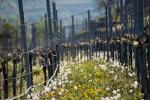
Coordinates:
(7,36)
(114,4)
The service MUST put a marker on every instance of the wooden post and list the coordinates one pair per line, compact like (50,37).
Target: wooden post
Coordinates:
(89,20)
(14,74)
(61,31)
(50,34)
(143,71)
(73,29)
(72,37)
(121,11)
(25,49)
(54,19)
(61,40)
(64,32)
(135,17)
(31,65)
(140,9)
(55,42)
(17,39)
(148,59)
(33,37)
(46,52)
(49,20)
(5,75)
(89,31)
(107,30)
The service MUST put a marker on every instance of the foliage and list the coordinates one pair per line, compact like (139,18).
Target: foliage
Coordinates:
(36,71)
(7,35)
(114,6)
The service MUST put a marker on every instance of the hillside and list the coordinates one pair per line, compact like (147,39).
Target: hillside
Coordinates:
(34,9)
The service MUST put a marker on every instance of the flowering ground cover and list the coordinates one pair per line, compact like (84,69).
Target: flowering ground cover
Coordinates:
(93,80)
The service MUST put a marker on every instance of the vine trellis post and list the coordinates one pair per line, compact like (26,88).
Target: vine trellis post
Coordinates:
(24,43)
(46,65)
(51,35)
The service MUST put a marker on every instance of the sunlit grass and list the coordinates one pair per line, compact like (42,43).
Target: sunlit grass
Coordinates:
(95,80)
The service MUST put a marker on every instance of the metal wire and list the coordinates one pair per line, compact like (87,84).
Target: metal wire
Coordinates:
(35,86)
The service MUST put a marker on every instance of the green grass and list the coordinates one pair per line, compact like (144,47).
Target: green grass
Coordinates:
(91,81)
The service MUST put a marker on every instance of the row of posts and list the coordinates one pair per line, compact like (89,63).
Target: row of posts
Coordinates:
(50,40)
(124,50)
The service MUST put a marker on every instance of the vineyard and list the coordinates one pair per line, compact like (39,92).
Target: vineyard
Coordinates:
(93,57)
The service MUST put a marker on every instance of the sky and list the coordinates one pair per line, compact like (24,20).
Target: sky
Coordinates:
(65,8)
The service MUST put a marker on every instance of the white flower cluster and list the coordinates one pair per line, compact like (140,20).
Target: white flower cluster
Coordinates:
(135,85)
(111,72)
(116,97)
(60,80)
(95,67)
(47,89)
(131,74)
(75,87)
(102,66)
(33,96)
(116,64)
(115,77)
(135,43)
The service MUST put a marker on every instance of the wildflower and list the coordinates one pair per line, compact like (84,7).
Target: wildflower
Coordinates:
(114,92)
(115,64)
(107,89)
(32,89)
(75,87)
(66,90)
(62,90)
(59,83)
(31,94)
(135,85)
(71,81)
(111,72)
(35,97)
(53,92)
(66,78)
(103,67)
(95,67)
(133,73)
(54,83)
(53,98)
(118,90)
(90,80)
(54,88)
(47,89)
(135,43)
(122,67)
(66,81)
(130,74)
(90,75)
(126,67)
(130,90)
(28,96)
(63,85)
(106,98)
(118,95)
(115,78)
(60,93)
